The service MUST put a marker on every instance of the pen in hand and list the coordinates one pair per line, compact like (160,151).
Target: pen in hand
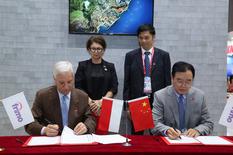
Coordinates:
(177,132)
(49,122)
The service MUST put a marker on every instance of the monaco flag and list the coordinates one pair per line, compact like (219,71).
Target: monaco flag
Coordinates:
(141,113)
(18,110)
(226,118)
(110,115)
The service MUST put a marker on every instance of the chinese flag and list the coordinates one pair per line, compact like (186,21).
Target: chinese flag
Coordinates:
(141,113)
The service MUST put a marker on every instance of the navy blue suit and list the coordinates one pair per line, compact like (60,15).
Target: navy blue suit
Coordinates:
(134,73)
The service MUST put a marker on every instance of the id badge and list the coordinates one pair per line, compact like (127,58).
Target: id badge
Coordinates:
(147,85)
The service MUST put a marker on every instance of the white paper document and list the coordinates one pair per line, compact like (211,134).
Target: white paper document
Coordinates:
(183,140)
(213,140)
(69,138)
(109,139)
(43,140)
(200,140)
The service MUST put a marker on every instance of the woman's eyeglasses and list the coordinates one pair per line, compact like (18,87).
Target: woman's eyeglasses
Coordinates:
(98,50)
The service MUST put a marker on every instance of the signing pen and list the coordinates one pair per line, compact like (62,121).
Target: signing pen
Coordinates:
(177,132)
(49,122)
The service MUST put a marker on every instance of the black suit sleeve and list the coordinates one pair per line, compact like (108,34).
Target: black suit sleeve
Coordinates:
(126,88)
(114,84)
(167,69)
(80,80)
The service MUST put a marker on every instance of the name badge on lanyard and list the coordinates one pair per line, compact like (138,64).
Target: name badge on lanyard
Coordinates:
(147,85)
(147,69)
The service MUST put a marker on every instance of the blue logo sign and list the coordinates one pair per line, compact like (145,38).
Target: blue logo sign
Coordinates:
(17,108)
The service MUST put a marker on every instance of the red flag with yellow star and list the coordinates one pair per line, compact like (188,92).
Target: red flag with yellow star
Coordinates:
(141,113)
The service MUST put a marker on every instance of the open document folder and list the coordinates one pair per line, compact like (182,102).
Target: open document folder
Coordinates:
(69,138)
(201,140)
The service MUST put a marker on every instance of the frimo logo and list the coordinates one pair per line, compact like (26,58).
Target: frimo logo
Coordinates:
(17,107)
(230,117)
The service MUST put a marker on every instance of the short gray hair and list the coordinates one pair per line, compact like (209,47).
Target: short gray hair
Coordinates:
(61,67)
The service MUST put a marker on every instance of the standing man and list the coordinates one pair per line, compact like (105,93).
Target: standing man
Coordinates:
(61,105)
(181,108)
(147,69)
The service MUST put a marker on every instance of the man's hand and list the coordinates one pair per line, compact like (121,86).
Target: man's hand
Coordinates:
(51,130)
(80,129)
(173,134)
(192,133)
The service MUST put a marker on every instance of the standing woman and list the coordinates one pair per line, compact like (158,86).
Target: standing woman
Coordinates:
(96,76)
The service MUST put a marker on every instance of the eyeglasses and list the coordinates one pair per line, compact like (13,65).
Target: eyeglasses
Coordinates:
(183,83)
(98,50)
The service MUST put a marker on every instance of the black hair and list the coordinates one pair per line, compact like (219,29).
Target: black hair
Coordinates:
(182,66)
(146,27)
(96,39)
(230,78)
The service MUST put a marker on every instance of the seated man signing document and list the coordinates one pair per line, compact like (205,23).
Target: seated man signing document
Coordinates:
(61,105)
(180,108)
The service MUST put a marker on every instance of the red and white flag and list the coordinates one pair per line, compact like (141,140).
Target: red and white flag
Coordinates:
(110,115)
(141,113)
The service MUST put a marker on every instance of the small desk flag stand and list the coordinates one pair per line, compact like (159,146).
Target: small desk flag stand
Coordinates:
(127,144)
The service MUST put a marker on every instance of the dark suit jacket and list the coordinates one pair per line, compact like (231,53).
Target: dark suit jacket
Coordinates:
(47,106)
(134,73)
(83,77)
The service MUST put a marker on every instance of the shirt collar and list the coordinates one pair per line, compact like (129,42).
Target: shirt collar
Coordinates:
(150,50)
(178,95)
(61,95)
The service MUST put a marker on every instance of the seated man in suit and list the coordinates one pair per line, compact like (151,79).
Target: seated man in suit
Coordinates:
(180,108)
(61,105)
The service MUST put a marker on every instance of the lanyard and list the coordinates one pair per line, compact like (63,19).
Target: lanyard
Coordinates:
(151,59)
